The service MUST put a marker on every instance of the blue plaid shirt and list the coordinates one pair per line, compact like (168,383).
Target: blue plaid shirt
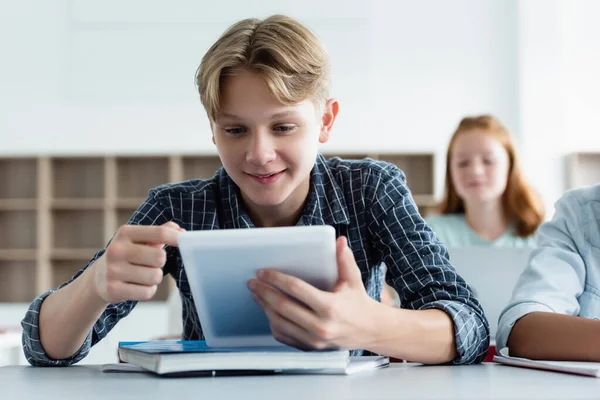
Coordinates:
(367,201)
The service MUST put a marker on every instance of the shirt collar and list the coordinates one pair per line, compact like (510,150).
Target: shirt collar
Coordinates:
(326,203)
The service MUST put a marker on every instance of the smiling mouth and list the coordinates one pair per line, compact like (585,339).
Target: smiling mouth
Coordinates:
(266,178)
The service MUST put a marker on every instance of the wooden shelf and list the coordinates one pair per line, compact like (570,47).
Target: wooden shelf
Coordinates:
(78,204)
(73,254)
(18,204)
(78,177)
(123,215)
(132,203)
(18,254)
(63,270)
(418,168)
(56,212)
(18,229)
(17,281)
(18,178)
(137,175)
(200,167)
(78,229)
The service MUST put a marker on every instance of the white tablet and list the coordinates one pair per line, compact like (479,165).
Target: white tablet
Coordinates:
(219,264)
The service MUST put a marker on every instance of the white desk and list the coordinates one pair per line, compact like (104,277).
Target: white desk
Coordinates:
(486,381)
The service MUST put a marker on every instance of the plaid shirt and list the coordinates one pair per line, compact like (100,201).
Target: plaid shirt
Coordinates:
(367,201)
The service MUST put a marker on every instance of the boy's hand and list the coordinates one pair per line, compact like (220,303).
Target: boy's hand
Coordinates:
(337,319)
(131,267)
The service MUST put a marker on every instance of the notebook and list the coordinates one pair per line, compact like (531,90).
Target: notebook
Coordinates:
(173,358)
(570,367)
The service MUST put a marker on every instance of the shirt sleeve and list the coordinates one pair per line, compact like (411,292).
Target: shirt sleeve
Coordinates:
(419,268)
(555,275)
(149,213)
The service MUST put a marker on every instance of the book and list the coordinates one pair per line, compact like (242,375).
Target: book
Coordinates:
(570,367)
(174,358)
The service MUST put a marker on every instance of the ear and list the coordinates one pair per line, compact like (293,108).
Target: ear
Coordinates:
(330,114)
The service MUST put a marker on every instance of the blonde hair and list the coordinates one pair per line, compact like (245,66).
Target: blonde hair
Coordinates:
(292,60)
(522,205)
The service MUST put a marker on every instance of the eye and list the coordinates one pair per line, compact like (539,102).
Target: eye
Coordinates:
(284,129)
(463,164)
(235,131)
(488,161)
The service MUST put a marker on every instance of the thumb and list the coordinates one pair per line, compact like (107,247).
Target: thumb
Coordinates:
(348,271)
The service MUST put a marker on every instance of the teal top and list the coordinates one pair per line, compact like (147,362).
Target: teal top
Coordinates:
(453,231)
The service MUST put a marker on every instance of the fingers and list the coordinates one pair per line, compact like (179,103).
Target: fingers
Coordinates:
(272,298)
(146,255)
(172,225)
(149,256)
(132,264)
(121,291)
(287,332)
(164,235)
(294,287)
(135,274)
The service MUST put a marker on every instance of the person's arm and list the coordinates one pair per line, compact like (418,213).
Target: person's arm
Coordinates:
(443,321)
(67,316)
(347,318)
(440,320)
(550,336)
(541,320)
(425,336)
(61,325)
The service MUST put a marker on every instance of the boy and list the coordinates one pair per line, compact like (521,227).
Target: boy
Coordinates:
(264,85)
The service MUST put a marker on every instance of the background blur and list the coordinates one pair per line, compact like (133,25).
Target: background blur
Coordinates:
(82,77)
(117,76)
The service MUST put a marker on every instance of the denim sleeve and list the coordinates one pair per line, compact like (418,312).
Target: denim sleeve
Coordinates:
(419,267)
(555,274)
(149,213)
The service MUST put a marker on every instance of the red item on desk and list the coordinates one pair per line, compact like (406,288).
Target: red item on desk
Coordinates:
(490,355)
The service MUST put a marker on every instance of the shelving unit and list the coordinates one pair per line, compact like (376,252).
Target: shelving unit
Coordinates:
(583,169)
(57,212)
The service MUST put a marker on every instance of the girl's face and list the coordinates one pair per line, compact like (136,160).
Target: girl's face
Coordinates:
(479,167)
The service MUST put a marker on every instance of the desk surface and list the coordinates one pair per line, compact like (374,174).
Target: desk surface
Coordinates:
(485,381)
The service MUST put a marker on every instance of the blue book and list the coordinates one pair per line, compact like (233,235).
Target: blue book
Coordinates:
(196,358)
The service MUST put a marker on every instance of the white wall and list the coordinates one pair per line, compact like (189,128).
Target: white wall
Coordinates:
(103,77)
(558,64)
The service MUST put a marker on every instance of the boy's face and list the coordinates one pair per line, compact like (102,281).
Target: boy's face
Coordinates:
(268,148)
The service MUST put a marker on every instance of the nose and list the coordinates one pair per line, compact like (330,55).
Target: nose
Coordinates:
(261,149)
(477,168)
